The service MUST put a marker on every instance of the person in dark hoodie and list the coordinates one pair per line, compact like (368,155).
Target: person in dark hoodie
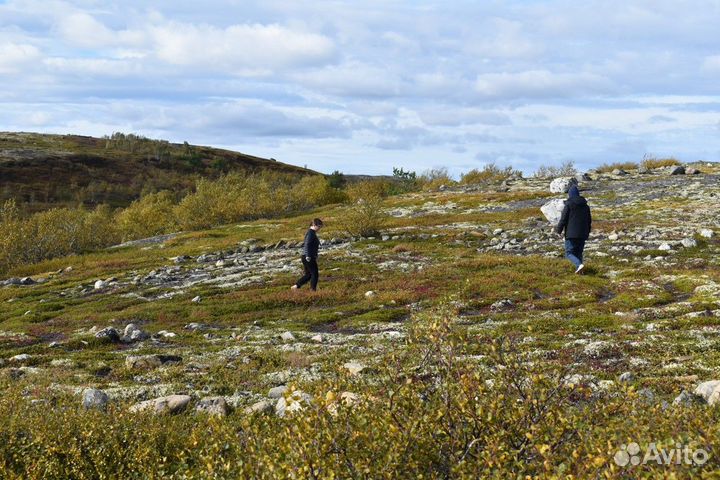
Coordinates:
(576,221)
(311,245)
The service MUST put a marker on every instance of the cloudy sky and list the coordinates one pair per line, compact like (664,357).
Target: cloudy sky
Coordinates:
(362,86)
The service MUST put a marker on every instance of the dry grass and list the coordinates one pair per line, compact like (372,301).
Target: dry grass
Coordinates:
(609,167)
(652,162)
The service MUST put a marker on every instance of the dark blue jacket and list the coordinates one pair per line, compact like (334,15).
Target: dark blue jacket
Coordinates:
(311,245)
(576,219)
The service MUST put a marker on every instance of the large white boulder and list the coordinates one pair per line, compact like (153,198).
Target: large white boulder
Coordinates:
(562,184)
(553,210)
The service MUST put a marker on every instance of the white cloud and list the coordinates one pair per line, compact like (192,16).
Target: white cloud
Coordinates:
(249,48)
(83,30)
(14,58)
(539,84)
(96,67)
(354,79)
(505,39)
(711,64)
(333,76)
(445,116)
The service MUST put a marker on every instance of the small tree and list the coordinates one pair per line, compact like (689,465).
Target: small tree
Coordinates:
(365,216)
(406,180)
(336,179)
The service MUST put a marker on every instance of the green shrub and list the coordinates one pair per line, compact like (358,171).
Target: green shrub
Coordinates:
(365,215)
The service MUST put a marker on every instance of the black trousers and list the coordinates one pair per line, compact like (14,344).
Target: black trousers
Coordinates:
(311,273)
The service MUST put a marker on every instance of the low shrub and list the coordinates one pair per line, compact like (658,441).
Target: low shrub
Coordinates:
(565,169)
(450,404)
(365,215)
(152,214)
(434,178)
(609,167)
(52,233)
(652,162)
(488,174)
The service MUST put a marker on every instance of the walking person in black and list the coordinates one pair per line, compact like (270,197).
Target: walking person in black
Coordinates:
(576,221)
(311,245)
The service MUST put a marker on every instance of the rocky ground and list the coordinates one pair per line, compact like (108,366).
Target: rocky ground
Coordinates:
(206,321)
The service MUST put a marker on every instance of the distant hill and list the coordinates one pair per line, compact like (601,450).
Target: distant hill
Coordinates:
(41,171)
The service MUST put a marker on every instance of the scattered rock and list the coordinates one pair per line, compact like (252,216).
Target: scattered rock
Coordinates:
(287,337)
(147,362)
(619,172)
(553,210)
(213,406)
(562,184)
(27,281)
(627,377)
(295,402)
(277,392)
(665,247)
(317,338)
(23,357)
(109,335)
(133,334)
(171,404)
(196,299)
(263,406)
(354,368)
(583,177)
(597,349)
(142,362)
(677,170)
(370,294)
(94,399)
(100,284)
(706,233)
(686,398)
(500,305)
(689,242)
(709,391)
(692,171)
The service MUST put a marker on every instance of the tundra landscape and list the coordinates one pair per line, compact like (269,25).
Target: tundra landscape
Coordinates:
(448,338)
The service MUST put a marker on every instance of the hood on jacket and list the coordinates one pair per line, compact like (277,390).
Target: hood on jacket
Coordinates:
(573,192)
(576,201)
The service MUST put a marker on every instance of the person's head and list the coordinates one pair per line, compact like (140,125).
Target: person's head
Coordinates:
(316,224)
(573,192)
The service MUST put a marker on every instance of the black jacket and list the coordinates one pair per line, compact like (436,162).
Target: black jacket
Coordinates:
(576,219)
(311,245)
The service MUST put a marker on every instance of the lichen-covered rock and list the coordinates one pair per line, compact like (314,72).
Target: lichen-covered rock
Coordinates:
(213,406)
(171,404)
(562,184)
(553,210)
(94,399)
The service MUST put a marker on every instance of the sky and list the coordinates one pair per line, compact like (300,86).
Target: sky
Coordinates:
(365,86)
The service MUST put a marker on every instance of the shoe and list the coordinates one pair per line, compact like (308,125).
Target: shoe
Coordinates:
(580,269)
(294,287)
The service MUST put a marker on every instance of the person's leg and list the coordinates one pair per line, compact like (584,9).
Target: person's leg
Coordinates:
(570,252)
(579,249)
(315,274)
(307,276)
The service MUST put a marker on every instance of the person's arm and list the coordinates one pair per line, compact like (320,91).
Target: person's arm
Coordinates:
(562,224)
